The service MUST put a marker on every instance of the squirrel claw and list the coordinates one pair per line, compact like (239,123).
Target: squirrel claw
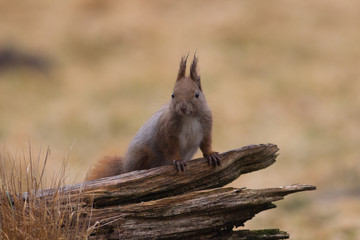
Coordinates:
(214,159)
(180,165)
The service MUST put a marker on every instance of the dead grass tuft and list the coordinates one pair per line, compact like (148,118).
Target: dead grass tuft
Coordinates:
(24,213)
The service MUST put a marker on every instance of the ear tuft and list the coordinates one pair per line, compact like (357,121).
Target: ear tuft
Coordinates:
(182,68)
(193,68)
(193,72)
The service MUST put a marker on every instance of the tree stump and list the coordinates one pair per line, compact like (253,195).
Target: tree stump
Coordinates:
(161,203)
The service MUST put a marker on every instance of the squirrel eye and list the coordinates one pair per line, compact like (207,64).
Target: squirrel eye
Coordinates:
(172,95)
(197,94)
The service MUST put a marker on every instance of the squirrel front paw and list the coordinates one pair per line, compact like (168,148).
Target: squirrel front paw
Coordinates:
(180,165)
(214,159)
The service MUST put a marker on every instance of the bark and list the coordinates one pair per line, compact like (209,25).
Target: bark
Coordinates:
(144,185)
(161,203)
(195,215)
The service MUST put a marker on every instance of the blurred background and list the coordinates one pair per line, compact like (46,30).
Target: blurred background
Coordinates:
(83,76)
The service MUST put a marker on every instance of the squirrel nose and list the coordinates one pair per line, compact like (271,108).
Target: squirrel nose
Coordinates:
(183,108)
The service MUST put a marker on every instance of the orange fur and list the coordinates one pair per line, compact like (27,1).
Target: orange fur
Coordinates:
(107,166)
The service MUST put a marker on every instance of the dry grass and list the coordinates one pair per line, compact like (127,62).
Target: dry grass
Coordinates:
(277,71)
(23,214)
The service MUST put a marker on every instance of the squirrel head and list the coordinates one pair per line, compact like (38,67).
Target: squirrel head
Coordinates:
(187,98)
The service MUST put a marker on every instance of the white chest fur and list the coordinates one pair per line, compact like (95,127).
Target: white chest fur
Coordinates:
(190,138)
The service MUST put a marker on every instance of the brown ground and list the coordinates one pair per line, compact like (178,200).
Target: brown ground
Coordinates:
(285,72)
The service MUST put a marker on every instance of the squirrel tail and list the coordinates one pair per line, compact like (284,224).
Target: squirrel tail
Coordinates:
(106,167)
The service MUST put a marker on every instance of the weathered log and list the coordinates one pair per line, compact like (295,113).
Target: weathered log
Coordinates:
(161,203)
(138,186)
(266,234)
(192,216)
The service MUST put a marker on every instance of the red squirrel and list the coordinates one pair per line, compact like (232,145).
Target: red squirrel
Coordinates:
(172,135)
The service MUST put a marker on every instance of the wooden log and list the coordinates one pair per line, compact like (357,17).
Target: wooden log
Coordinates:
(190,216)
(161,203)
(144,185)
(266,234)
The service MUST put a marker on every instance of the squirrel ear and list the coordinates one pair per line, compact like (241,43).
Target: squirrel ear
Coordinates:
(182,68)
(193,72)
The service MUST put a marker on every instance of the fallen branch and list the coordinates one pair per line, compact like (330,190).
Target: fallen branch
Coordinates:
(191,216)
(161,203)
(138,186)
